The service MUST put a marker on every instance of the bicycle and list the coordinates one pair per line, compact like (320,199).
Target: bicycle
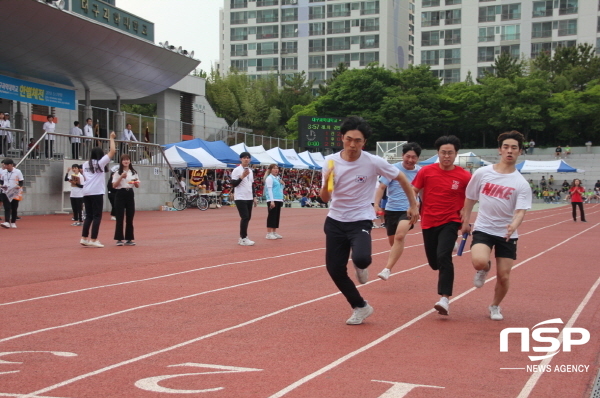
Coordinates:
(183,201)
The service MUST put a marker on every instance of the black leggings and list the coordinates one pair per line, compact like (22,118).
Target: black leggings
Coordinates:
(10,209)
(439,243)
(49,149)
(580,205)
(245,209)
(77,206)
(274,214)
(124,208)
(75,146)
(93,215)
(340,239)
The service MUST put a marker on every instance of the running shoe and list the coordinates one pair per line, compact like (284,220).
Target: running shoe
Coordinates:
(277,235)
(362,274)
(442,306)
(385,274)
(479,279)
(360,314)
(13,225)
(5,225)
(246,242)
(270,236)
(95,244)
(84,242)
(130,243)
(120,243)
(495,313)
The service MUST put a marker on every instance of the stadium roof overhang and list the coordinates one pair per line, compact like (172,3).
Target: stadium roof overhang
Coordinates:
(51,46)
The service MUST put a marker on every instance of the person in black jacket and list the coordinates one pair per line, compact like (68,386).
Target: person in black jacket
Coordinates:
(111,192)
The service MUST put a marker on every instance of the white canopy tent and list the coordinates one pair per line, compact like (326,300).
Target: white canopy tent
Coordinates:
(206,159)
(318,158)
(292,157)
(307,157)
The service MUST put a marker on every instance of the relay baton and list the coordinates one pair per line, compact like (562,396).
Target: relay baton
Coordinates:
(463,241)
(330,178)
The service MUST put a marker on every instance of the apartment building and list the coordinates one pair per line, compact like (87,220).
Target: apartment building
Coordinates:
(288,36)
(455,37)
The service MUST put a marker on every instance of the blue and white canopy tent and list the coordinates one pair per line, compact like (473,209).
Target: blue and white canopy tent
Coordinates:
(279,158)
(546,166)
(298,163)
(308,158)
(190,158)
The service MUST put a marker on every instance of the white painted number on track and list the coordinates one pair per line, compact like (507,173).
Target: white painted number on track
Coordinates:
(399,390)
(151,383)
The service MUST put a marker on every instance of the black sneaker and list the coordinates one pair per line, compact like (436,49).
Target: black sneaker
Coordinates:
(120,243)
(129,243)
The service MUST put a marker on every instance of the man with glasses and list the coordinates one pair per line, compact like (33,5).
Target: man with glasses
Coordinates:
(442,186)
(348,223)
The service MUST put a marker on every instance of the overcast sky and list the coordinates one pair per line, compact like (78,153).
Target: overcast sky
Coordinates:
(192,24)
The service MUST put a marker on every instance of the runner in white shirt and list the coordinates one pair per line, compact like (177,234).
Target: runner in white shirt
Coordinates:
(49,127)
(11,181)
(76,140)
(349,222)
(504,196)
(93,192)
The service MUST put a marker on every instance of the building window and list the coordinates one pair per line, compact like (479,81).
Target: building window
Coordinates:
(511,32)
(452,56)
(368,58)
(567,27)
(431,57)
(452,37)
(338,44)
(369,24)
(267,16)
(289,2)
(450,75)
(487,14)
(564,43)
(317,77)
(265,64)
(316,61)
(431,18)
(453,17)
(239,50)
(370,41)
(316,28)
(289,63)
(237,18)
(481,71)
(598,45)
(289,47)
(338,10)
(316,12)
(334,60)
(453,2)
(514,50)
(542,9)
(430,3)
(289,14)
(566,7)
(369,7)
(430,38)
(266,3)
(238,4)
(338,27)
(486,54)
(487,34)
(538,48)
(315,46)
(240,64)
(511,11)
(267,32)
(541,29)
(289,30)
(266,48)
(237,34)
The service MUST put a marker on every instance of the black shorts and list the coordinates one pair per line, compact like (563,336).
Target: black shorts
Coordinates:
(392,219)
(504,249)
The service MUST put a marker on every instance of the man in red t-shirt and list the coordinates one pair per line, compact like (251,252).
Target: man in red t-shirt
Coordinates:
(442,186)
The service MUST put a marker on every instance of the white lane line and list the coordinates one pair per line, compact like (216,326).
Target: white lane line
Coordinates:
(213,291)
(536,376)
(187,271)
(139,358)
(366,347)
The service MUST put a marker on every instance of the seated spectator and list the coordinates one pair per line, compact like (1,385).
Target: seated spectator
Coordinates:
(305,202)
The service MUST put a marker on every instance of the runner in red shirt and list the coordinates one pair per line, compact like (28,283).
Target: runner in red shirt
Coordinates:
(443,188)
(575,192)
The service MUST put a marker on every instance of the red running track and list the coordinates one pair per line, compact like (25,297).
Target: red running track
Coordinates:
(188,312)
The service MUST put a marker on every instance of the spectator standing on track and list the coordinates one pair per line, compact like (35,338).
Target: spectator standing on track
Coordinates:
(504,197)
(49,128)
(242,179)
(124,180)
(76,179)
(274,194)
(576,195)
(349,221)
(111,192)
(76,134)
(11,181)
(397,223)
(93,192)
(443,188)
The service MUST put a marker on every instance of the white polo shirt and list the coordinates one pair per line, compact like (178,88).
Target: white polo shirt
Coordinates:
(49,127)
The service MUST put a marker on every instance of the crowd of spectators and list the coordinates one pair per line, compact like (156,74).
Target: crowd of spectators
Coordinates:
(548,191)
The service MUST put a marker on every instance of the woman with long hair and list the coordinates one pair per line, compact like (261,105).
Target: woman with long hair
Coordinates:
(93,192)
(124,180)
(274,193)
(576,194)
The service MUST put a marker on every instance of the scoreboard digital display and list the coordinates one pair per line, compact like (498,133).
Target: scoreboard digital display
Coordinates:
(320,132)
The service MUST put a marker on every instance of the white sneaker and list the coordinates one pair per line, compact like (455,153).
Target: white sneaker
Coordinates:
(84,242)
(479,279)
(362,274)
(95,244)
(113,218)
(277,235)
(495,313)
(13,225)
(5,225)
(360,314)
(385,274)
(442,306)
(246,242)
(270,236)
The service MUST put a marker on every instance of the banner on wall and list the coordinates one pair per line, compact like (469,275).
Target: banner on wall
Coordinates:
(35,93)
